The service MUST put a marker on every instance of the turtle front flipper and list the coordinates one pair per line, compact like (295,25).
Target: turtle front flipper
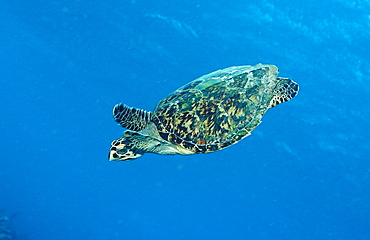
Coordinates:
(131,118)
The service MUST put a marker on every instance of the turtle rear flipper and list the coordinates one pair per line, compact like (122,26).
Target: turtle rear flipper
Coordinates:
(131,118)
(285,90)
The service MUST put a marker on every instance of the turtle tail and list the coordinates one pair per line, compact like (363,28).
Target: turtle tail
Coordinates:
(285,90)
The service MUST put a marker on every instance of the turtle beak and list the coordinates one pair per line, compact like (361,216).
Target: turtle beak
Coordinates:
(115,156)
(116,145)
(112,156)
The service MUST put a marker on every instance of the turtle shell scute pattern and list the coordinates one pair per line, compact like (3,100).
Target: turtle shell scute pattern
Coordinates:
(216,110)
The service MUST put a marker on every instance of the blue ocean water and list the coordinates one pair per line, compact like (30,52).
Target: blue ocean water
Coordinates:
(304,173)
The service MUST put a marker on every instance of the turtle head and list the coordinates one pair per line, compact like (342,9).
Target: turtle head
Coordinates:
(123,150)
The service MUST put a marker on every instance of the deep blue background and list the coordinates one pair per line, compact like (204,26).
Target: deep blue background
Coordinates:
(303,174)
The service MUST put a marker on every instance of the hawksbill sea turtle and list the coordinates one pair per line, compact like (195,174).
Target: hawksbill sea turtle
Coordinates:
(208,114)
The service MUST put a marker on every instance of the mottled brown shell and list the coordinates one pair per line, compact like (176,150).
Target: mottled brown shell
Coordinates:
(221,108)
